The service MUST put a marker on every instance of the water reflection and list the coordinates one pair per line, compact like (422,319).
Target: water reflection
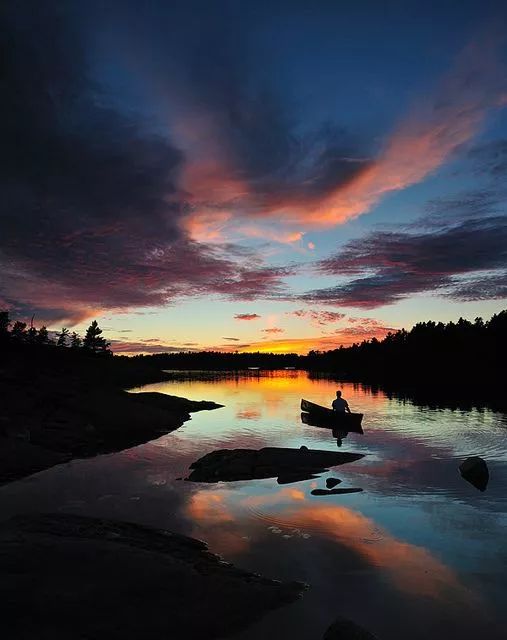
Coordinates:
(418,544)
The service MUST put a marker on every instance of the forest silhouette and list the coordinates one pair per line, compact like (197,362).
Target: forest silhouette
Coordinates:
(454,352)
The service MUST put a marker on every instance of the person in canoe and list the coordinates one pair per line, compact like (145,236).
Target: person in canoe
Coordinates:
(340,405)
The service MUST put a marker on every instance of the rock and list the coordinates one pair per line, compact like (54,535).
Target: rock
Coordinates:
(19,458)
(332,482)
(343,629)
(58,405)
(106,579)
(287,478)
(335,492)
(246,464)
(475,471)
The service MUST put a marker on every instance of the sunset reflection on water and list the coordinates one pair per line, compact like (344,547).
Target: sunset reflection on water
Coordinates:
(419,552)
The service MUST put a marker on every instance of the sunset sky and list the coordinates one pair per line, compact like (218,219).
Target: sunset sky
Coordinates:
(276,176)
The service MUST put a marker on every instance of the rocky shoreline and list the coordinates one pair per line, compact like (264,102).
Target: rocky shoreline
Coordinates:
(100,578)
(52,412)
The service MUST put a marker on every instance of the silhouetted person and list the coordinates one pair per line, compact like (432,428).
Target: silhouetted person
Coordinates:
(340,405)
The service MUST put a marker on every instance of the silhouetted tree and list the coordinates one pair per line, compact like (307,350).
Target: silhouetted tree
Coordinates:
(93,340)
(4,325)
(18,331)
(75,341)
(43,336)
(31,334)
(61,337)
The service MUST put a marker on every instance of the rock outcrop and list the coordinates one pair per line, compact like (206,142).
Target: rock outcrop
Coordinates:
(67,577)
(475,470)
(343,629)
(288,465)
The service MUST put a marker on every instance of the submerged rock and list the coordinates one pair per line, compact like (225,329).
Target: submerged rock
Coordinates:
(335,492)
(343,629)
(105,579)
(475,471)
(271,462)
(332,482)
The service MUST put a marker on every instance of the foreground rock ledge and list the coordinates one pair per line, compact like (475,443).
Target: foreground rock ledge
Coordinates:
(69,577)
(38,432)
(247,464)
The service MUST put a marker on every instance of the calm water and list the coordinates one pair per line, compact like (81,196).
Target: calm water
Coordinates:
(419,553)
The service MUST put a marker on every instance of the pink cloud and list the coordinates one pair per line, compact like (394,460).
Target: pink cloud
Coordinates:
(318,317)
(435,128)
(273,330)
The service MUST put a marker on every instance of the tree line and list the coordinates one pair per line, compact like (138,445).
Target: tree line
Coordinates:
(430,349)
(19,333)
(454,351)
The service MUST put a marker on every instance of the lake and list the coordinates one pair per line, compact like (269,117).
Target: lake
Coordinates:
(419,553)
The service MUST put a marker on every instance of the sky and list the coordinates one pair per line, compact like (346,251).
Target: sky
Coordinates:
(275,176)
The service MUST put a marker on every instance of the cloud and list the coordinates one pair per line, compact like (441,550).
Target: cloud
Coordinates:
(363,329)
(106,191)
(233,339)
(488,287)
(386,267)
(327,177)
(273,330)
(247,316)
(318,317)
(490,158)
(124,347)
(93,212)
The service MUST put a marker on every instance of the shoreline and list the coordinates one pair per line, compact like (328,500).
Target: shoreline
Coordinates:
(54,412)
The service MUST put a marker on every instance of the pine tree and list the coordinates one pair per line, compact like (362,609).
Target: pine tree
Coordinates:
(75,341)
(18,331)
(4,325)
(61,337)
(31,334)
(43,336)
(94,341)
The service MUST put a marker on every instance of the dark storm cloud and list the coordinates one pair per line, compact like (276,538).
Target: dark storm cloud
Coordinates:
(466,261)
(91,205)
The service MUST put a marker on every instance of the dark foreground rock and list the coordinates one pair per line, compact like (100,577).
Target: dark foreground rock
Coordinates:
(343,629)
(270,462)
(57,405)
(43,431)
(67,577)
(475,471)
(332,482)
(335,492)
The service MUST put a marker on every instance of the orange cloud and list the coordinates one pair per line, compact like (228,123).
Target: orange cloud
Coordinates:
(340,337)
(422,142)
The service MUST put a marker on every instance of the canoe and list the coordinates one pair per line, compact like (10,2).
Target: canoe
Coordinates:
(339,429)
(323,416)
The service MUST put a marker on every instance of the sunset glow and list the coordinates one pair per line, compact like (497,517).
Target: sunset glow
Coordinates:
(264,180)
